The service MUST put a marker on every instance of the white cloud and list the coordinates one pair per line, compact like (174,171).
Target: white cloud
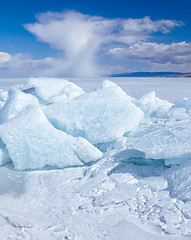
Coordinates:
(82,37)
(175,53)
(21,65)
(75,35)
(4,57)
(84,41)
(147,26)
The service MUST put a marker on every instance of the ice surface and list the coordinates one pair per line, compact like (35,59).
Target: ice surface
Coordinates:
(129,153)
(185,104)
(167,130)
(4,155)
(139,188)
(3,95)
(107,114)
(17,102)
(100,116)
(153,106)
(163,140)
(85,203)
(32,142)
(179,183)
(50,90)
(1,104)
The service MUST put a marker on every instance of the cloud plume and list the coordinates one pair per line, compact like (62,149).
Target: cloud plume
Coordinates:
(83,38)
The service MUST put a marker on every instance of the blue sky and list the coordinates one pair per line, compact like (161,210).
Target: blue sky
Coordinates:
(91,38)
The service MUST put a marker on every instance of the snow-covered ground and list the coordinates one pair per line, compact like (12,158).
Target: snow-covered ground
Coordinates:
(119,164)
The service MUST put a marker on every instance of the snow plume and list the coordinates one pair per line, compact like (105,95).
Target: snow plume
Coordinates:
(84,38)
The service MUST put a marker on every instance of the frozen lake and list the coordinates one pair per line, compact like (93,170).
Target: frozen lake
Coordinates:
(171,89)
(139,185)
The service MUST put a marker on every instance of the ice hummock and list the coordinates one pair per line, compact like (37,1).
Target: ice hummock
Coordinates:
(17,102)
(32,142)
(136,194)
(184,104)
(170,140)
(104,120)
(153,106)
(49,90)
(103,115)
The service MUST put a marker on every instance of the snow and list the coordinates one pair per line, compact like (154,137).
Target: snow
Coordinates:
(125,161)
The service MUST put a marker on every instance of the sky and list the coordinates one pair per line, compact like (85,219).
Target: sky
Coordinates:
(88,38)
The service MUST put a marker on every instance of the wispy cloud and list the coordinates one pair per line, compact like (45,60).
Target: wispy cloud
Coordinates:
(175,53)
(147,26)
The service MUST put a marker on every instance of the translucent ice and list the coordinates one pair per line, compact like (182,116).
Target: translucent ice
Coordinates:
(153,106)
(17,101)
(185,104)
(3,95)
(32,142)
(4,155)
(179,180)
(1,104)
(167,139)
(177,114)
(54,89)
(129,153)
(100,116)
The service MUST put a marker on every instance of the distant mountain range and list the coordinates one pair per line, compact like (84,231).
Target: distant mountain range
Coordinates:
(152,74)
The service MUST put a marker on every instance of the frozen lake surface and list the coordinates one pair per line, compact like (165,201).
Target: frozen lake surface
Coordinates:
(128,168)
(170,89)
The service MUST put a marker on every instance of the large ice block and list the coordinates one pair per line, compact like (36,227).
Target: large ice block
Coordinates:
(165,139)
(153,106)
(32,142)
(185,104)
(17,102)
(100,116)
(54,89)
